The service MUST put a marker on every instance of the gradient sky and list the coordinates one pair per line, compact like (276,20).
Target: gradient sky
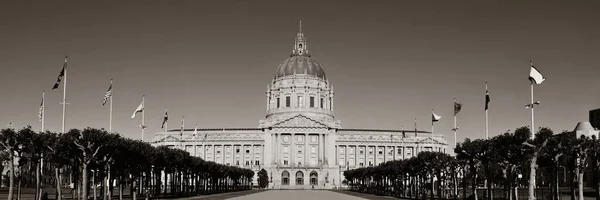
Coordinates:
(389,61)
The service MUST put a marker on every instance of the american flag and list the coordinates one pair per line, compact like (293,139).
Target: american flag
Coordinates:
(108,93)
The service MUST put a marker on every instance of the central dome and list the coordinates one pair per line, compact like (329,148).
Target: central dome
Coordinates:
(300,65)
(300,61)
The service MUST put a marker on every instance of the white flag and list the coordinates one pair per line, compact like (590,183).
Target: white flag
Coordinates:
(195,131)
(140,108)
(434,117)
(535,75)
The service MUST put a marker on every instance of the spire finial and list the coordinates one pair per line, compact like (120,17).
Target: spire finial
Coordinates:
(300,26)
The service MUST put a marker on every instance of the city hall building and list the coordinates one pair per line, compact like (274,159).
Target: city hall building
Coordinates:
(300,142)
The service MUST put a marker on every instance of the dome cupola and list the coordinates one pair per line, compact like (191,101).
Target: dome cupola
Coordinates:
(300,61)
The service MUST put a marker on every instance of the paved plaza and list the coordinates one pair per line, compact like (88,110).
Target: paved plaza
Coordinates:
(297,195)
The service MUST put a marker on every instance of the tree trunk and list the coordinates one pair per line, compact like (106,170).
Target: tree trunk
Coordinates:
(133,189)
(84,182)
(94,184)
(58,181)
(556,186)
(532,168)
(19,182)
(121,187)
(580,183)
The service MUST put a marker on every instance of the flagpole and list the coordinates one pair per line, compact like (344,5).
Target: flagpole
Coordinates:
(143,113)
(111,107)
(532,116)
(166,124)
(455,129)
(432,122)
(64,97)
(181,133)
(43,109)
(487,134)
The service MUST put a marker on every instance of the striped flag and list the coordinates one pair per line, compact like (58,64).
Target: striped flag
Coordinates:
(535,76)
(165,119)
(41,113)
(61,75)
(108,93)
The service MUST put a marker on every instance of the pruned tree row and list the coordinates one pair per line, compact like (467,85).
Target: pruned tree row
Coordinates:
(93,163)
(490,169)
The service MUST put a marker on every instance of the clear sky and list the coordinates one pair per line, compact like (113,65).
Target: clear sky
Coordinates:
(389,61)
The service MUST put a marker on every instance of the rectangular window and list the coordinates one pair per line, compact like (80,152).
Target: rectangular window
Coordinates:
(288,101)
(277,102)
(237,162)
(322,102)
(256,162)
(312,102)
(361,164)
(300,101)
(399,151)
(361,152)
(247,163)
(285,162)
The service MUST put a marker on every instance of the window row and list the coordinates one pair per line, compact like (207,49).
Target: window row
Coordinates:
(300,102)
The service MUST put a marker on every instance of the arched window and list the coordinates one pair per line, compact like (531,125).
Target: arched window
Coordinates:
(299,178)
(314,178)
(285,178)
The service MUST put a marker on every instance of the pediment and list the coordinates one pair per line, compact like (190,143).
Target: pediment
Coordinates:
(169,139)
(429,140)
(300,121)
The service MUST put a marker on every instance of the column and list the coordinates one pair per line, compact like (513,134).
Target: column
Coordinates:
(325,151)
(337,152)
(320,152)
(292,153)
(262,155)
(306,150)
(346,160)
(279,148)
(273,149)
(355,155)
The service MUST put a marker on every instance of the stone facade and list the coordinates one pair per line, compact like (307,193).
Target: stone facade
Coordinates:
(300,142)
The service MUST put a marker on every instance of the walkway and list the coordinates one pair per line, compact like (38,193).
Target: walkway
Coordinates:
(297,195)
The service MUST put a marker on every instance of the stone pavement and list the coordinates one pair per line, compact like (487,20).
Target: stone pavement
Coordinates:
(297,195)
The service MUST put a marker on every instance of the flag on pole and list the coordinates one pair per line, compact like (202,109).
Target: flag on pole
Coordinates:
(60,76)
(182,125)
(415,127)
(140,108)
(535,76)
(41,113)
(108,93)
(487,98)
(457,107)
(434,117)
(195,131)
(165,119)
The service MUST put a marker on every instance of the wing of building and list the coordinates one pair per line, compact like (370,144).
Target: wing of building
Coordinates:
(300,142)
